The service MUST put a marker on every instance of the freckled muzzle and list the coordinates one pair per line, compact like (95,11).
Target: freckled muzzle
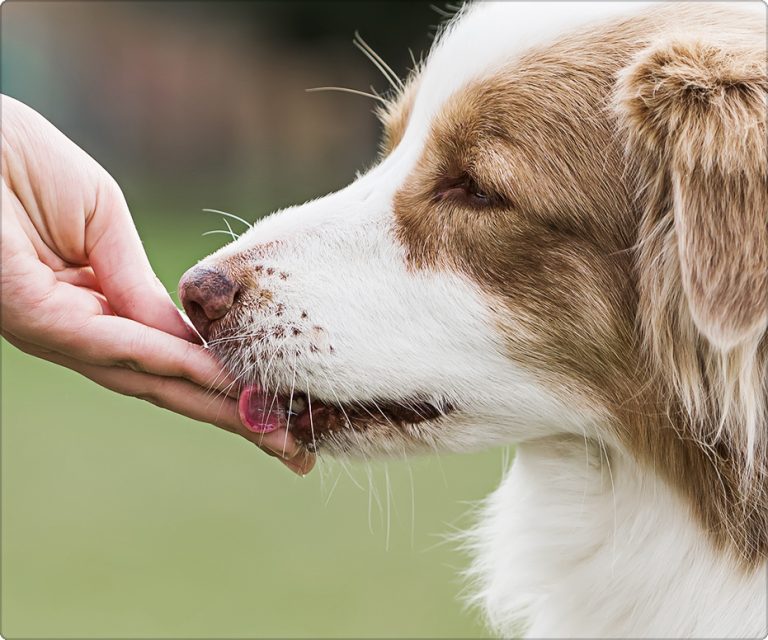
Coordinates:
(252,313)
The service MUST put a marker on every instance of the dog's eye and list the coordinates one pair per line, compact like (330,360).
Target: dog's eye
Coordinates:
(465,189)
(476,194)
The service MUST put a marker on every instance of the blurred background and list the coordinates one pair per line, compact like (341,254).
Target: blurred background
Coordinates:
(122,520)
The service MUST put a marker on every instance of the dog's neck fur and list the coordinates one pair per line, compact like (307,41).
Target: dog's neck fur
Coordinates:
(578,540)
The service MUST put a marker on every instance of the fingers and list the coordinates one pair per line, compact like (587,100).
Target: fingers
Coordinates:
(112,340)
(116,254)
(281,444)
(73,321)
(78,215)
(183,397)
(187,399)
(69,322)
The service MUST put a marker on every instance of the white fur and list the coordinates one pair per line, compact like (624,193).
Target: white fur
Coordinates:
(492,33)
(577,541)
(393,332)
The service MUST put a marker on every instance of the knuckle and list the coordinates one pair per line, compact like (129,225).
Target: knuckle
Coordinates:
(133,356)
(160,392)
(150,397)
(130,363)
(110,190)
(186,357)
(193,367)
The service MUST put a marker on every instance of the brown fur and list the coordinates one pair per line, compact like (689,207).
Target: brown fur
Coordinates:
(694,112)
(394,114)
(621,233)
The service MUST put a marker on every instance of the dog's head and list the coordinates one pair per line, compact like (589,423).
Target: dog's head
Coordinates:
(566,230)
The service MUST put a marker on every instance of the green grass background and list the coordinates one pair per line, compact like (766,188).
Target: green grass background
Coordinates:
(120,519)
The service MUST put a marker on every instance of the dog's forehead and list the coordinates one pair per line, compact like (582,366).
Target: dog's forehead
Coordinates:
(487,35)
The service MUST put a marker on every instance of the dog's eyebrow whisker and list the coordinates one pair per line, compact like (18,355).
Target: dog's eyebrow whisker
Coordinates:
(229,228)
(378,62)
(413,59)
(356,92)
(215,231)
(229,215)
(441,12)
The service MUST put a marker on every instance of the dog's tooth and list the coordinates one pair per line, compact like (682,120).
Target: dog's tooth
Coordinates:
(298,404)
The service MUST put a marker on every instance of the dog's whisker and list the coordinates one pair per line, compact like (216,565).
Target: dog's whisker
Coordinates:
(290,402)
(388,490)
(346,468)
(442,12)
(333,488)
(229,215)
(217,231)
(413,497)
(311,419)
(356,92)
(378,62)
(229,228)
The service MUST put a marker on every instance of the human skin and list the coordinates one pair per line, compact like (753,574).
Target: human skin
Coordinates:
(77,288)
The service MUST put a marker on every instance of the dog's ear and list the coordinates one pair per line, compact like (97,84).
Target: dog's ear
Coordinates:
(693,110)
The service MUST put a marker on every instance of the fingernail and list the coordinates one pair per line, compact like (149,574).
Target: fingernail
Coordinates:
(298,469)
(302,464)
(280,453)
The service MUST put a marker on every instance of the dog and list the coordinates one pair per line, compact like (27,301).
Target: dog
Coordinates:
(563,246)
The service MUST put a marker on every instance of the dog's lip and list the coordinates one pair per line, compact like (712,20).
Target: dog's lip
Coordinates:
(309,418)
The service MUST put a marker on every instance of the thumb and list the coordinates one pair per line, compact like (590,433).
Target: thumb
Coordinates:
(118,259)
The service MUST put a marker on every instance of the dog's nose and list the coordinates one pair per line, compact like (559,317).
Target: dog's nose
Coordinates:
(207,295)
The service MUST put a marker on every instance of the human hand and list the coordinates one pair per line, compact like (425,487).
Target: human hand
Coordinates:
(78,289)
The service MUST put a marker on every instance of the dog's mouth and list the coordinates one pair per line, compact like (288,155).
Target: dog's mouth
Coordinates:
(311,419)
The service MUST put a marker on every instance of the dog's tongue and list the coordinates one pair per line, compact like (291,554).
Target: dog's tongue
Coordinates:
(260,412)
